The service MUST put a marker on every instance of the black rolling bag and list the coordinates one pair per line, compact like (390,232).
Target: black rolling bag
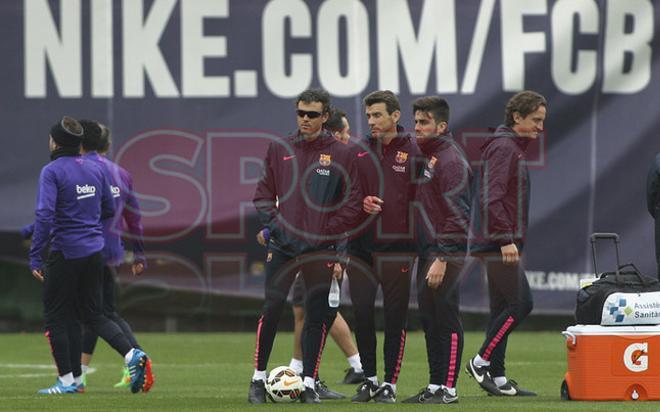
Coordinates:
(594,307)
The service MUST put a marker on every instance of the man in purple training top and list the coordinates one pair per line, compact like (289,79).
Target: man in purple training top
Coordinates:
(95,144)
(73,196)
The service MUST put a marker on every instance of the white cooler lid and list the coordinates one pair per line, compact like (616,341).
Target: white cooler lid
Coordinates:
(613,330)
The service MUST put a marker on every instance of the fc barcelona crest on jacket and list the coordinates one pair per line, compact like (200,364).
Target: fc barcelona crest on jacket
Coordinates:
(431,163)
(401,157)
(325,160)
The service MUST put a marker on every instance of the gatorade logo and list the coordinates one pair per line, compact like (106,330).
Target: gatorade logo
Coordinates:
(85,191)
(636,357)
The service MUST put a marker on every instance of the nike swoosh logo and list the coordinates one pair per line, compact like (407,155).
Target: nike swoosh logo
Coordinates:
(289,383)
(510,391)
(288,157)
(363,154)
(372,393)
(475,375)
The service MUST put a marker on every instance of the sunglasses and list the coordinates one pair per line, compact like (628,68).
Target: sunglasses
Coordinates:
(310,114)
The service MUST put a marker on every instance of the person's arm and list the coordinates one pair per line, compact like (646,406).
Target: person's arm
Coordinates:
(349,216)
(454,181)
(44,218)
(107,201)
(27,230)
(653,188)
(133,219)
(265,196)
(417,165)
(500,166)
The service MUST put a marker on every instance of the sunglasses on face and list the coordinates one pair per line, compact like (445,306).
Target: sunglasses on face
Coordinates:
(310,114)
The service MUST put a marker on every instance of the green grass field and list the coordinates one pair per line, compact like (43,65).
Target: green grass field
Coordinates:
(212,371)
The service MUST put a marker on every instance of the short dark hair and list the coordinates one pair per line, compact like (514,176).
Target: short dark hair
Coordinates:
(524,103)
(434,105)
(96,136)
(335,122)
(315,95)
(383,96)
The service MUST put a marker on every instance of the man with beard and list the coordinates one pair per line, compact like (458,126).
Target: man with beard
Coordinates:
(444,197)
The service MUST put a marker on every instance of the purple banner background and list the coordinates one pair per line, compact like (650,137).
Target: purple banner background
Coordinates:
(193,91)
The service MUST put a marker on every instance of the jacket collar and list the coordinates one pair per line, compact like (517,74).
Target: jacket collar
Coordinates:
(324,139)
(436,144)
(401,138)
(503,131)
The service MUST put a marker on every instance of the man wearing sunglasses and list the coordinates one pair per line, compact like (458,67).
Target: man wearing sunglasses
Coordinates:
(308,199)
(383,254)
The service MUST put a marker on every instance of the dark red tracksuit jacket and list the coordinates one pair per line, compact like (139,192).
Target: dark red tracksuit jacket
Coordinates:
(308,195)
(389,172)
(503,193)
(444,195)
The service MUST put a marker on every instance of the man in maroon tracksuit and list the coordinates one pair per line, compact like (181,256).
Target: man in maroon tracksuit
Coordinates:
(383,253)
(500,229)
(444,196)
(307,198)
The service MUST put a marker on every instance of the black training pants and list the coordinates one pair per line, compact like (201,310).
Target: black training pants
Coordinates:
(89,338)
(443,330)
(281,268)
(392,272)
(510,303)
(72,294)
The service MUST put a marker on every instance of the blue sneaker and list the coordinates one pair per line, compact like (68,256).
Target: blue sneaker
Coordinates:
(137,368)
(58,389)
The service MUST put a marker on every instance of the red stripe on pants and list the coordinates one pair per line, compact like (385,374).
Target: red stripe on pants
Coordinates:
(451,373)
(399,358)
(324,335)
(256,351)
(498,337)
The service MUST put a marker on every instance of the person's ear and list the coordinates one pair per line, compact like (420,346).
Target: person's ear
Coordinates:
(441,128)
(517,118)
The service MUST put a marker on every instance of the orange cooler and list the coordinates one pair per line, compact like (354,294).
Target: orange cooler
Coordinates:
(612,363)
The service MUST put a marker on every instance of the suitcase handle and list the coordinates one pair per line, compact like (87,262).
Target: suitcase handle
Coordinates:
(612,236)
(636,271)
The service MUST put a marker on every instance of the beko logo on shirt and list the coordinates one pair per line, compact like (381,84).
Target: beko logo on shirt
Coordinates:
(116,191)
(85,191)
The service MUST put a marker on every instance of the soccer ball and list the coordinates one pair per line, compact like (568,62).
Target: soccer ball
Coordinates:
(284,385)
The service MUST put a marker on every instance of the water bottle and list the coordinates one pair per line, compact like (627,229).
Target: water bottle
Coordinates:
(333,296)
